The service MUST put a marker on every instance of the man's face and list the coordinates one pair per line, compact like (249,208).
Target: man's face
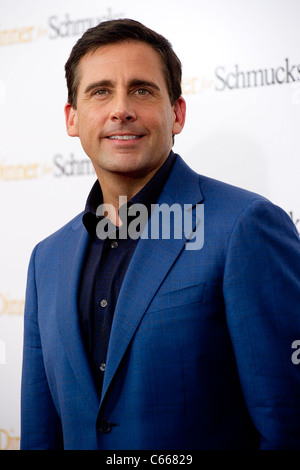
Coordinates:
(124,117)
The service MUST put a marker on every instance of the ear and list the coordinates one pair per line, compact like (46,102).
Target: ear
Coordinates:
(179,109)
(71,120)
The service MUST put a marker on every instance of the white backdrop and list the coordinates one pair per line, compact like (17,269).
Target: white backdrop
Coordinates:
(241,81)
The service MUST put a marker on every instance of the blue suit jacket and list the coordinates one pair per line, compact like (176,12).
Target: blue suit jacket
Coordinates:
(201,342)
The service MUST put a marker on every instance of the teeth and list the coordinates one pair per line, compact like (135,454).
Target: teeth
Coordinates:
(124,137)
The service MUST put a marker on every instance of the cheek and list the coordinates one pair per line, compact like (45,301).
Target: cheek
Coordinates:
(166,129)
(160,122)
(88,124)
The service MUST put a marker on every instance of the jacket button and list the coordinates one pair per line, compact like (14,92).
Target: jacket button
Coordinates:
(105,426)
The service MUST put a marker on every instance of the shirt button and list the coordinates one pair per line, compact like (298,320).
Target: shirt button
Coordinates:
(102,366)
(114,244)
(103,303)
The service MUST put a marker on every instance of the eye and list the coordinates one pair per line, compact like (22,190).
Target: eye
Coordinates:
(100,92)
(142,92)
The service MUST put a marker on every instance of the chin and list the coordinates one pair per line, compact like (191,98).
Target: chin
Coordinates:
(127,165)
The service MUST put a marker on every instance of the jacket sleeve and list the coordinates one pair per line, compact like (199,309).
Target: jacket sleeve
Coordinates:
(262,298)
(40,424)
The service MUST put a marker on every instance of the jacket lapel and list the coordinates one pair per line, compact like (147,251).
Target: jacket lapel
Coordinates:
(150,264)
(74,249)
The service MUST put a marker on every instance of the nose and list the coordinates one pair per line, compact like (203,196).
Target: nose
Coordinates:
(122,110)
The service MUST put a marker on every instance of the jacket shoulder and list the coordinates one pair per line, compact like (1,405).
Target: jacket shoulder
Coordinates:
(228,194)
(51,242)
(228,206)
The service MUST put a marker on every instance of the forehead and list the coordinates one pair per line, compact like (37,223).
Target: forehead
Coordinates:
(123,59)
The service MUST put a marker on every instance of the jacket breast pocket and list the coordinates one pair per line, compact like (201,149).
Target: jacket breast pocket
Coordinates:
(171,297)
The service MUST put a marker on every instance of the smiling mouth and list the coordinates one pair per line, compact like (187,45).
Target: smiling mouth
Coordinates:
(125,137)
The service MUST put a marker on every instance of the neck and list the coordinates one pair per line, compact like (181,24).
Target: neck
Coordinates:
(114,186)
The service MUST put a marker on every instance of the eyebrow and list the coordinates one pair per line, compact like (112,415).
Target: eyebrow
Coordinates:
(133,83)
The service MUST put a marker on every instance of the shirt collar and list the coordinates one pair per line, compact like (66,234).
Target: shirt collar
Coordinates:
(147,195)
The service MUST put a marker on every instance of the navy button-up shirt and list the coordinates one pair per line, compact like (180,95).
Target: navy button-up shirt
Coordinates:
(105,266)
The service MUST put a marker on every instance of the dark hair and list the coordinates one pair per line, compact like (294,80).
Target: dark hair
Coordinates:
(114,31)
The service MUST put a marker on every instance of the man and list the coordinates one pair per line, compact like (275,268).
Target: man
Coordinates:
(148,341)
